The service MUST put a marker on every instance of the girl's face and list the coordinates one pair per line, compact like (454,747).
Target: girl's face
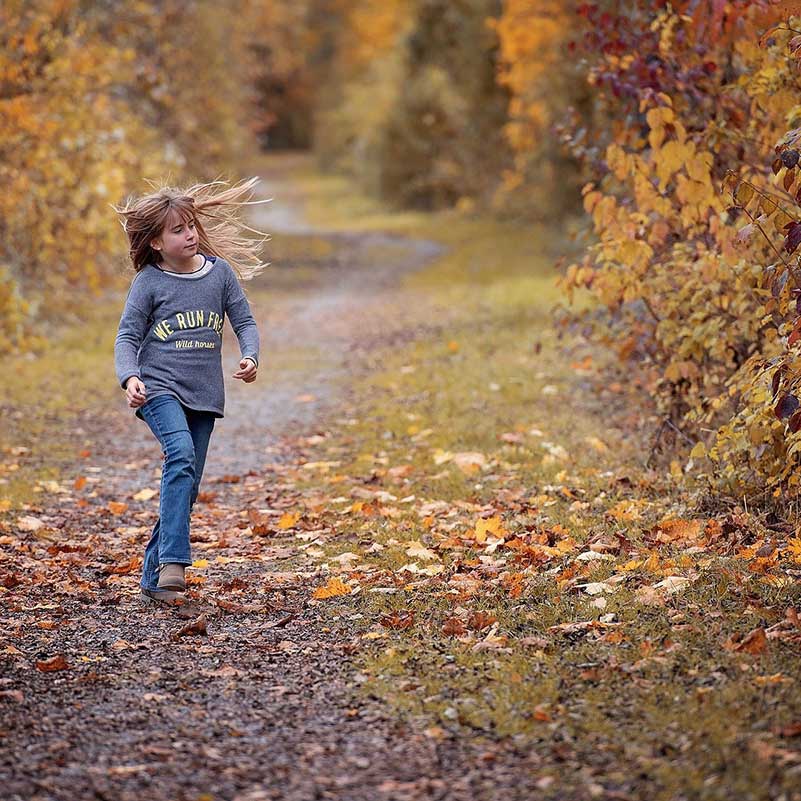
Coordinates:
(178,239)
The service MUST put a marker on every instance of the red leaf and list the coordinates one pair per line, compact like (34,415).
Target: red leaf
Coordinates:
(396,620)
(787,405)
(793,239)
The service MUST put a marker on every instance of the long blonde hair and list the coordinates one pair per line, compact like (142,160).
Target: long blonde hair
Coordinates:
(215,213)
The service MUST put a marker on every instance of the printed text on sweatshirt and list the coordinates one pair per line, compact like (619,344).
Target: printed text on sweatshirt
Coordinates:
(170,333)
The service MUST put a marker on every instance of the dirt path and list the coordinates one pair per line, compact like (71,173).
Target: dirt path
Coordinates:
(102,697)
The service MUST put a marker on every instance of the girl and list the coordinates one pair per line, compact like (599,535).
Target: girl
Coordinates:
(188,249)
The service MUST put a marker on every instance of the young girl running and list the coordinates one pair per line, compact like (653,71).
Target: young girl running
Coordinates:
(188,248)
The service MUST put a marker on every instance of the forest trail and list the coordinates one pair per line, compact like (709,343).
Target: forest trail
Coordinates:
(263,703)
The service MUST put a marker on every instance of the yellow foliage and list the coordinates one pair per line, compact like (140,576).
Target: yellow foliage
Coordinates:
(92,101)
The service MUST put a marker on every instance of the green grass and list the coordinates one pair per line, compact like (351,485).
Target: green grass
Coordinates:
(665,713)
(47,396)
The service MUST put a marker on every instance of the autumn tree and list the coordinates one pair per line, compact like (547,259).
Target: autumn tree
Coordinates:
(689,93)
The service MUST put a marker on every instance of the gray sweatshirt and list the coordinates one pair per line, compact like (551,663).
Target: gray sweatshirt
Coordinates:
(170,333)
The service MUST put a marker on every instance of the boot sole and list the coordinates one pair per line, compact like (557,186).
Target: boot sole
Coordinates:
(169,597)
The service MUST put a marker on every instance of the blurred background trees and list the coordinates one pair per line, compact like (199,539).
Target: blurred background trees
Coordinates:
(426,103)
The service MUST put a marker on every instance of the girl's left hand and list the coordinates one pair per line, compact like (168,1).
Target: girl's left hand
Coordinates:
(247,370)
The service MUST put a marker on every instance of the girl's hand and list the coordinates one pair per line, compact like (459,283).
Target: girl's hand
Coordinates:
(247,370)
(135,392)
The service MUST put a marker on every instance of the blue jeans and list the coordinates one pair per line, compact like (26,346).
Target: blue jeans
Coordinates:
(184,437)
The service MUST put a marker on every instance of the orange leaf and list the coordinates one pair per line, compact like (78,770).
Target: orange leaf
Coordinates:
(117,508)
(453,627)
(54,663)
(480,620)
(334,587)
(398,621)
(678,529)
(755,642)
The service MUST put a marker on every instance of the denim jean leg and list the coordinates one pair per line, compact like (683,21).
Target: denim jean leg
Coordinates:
(177,483)
(201,425)
(169,542)
(150,566)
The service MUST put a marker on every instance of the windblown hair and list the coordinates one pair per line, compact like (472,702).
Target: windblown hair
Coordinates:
(215,212)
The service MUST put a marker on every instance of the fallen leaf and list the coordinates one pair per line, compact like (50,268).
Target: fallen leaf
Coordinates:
(790,730)
(29,523)
(417,549)
(672,584)
(334,587)
(197,626)
(755,642)
(489,525)
(649,596)
(396,620)
(288,520)
(480,620)
(453,627)
(54,663)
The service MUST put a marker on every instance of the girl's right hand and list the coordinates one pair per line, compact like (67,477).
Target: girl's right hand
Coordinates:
(135,392)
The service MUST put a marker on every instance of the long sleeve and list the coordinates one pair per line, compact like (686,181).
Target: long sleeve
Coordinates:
(130,333)
(238,312)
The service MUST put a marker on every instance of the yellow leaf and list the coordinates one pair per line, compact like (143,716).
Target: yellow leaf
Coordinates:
(490,525)
(625,510)
(288,519)
(652,563)
(334,587)
(200,563)
(744,193)
(794,547)
(699,451)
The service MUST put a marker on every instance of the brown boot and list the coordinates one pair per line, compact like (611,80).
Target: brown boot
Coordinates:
(171,577)
(167,597)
